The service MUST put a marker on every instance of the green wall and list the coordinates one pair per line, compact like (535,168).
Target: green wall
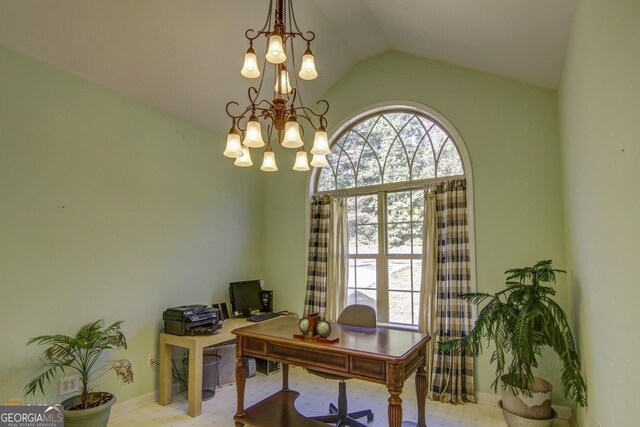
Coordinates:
(109,209)
(511,132)
(599,111)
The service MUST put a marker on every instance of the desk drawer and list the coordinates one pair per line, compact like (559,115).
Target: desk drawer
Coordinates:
(254,345)
(304,357)
(367,367)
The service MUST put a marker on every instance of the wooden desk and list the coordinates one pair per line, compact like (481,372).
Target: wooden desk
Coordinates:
(195,344)
(383,356)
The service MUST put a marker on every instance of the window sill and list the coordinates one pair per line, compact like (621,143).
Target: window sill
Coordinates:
(399,327)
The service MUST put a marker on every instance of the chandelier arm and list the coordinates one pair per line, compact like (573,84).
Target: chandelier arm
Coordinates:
(307,112)
(236,118)
(269,106)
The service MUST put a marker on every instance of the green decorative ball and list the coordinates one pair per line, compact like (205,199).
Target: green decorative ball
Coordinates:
(324,328)
(304,325)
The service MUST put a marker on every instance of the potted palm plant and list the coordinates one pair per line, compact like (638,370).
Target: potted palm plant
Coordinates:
(521,321)
(82,353)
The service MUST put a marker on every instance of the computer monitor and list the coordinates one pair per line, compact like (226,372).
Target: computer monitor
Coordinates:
(245,296)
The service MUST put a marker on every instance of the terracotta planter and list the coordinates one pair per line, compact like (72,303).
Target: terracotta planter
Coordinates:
(92,417)
(536,406)
(518,421)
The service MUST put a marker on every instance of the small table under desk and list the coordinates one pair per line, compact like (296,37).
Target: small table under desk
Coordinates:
(383,356)
(195,344)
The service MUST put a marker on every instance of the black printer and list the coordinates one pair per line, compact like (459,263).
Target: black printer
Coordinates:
(193,319)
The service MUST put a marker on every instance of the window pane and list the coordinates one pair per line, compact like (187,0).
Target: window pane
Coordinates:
(400,307)
(424,164)
(366,297)
(351,224)
(449,161)
(367,209)
(396,167)
(416,307)
(417,237)
(362,282)
(327,179)
(417,205)
(351,279)
(345,176)
(417,273)
(368,169)
(400,274)
(351,296)
(352,146)
(381,137)
(399,238)
(398,120)
(364,127)
(438,137)
(399,206)
(367,240)
(362,273)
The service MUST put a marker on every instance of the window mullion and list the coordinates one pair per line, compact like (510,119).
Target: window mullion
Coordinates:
(382,262)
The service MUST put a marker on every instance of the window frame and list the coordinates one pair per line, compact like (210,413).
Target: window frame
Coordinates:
(381,190)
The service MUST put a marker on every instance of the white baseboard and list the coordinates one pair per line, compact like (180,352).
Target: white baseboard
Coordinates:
(140,401)
(564,412)
(135,403)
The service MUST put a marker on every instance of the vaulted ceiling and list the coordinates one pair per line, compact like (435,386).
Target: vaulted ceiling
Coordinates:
(185,56)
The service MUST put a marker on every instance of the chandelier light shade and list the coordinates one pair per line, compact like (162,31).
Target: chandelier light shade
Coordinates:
(250,68)
(281,115)
(244,160)
(269,161)
(234,147)
(283,86)
(253,135)
(292,137)
(308,68)
(320,142)
(319,161)
(275,51)
(301,164)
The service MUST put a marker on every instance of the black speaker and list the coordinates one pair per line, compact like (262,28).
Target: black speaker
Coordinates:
(266,300)
(222,306)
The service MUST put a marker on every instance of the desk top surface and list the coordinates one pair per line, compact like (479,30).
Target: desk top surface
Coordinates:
(388,343)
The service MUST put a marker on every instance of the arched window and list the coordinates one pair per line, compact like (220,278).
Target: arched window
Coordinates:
(382,162)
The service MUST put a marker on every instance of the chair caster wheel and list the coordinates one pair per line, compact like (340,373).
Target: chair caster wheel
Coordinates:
(370,418)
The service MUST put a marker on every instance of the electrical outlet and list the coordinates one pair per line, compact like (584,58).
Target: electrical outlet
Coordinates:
(70,384)
(152,360)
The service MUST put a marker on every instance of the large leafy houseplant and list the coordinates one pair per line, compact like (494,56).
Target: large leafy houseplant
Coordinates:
(521,321)
(82,353)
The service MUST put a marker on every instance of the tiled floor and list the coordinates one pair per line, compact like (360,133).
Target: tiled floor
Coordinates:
(315,395)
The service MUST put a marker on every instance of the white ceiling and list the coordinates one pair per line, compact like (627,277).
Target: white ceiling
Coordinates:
(185,56)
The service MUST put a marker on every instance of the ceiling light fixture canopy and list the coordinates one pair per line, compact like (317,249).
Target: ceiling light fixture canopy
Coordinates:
(284,111)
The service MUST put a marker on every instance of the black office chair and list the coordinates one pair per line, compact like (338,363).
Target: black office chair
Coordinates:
(353,315)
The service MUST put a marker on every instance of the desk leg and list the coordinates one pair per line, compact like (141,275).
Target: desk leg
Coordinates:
(241,377)
(165,379)
(285,376)
(194,391)
(395,381)
(421,392)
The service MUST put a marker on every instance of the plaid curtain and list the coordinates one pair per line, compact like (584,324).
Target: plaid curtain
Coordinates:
(316,297)
(452,374)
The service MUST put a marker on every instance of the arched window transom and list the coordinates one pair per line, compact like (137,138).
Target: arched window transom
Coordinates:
(390,147)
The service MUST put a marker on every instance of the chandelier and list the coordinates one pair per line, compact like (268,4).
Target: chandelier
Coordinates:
(284,114)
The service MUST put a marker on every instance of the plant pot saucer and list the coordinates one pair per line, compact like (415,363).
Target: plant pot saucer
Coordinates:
(514,420)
